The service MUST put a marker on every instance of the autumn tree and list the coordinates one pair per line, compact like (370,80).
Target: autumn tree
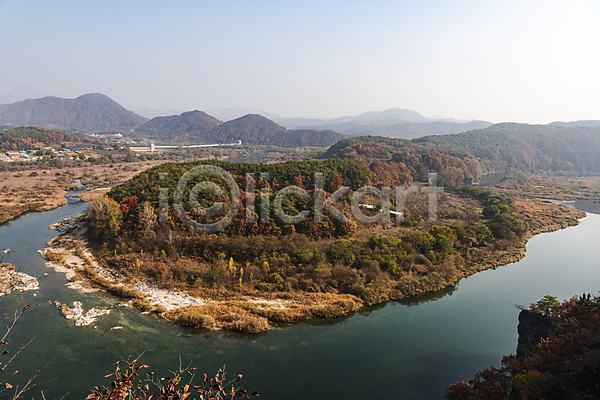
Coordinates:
(106,218)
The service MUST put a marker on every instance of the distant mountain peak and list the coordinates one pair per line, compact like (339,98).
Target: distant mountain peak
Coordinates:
(189,126)
(231,113)
(151,112)
(187,115)
(95,96)
(402,114)
(257,118)
(92,112)
(21,92)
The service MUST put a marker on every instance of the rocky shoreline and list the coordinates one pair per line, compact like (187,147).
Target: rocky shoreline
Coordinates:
(10,280)
(69,253)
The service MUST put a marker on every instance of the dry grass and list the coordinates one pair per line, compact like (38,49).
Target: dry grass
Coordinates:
(252,314)
(101,192)
(44,189)
(543,216)
(214,316)
(550,186)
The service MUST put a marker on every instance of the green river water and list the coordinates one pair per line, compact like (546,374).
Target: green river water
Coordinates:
(411,349)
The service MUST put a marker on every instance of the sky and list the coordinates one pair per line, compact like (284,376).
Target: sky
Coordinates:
(520,61)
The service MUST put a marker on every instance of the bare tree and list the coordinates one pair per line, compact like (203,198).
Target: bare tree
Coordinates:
(129,386)
(6,386)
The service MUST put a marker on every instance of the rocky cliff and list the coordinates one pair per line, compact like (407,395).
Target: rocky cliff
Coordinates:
(532,327)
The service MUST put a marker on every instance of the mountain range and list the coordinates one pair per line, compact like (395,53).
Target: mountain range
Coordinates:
(499,148)
(91,113)
(403,130)
(253,129)
(94,113)
(392,114)
(399,123)
(512,146)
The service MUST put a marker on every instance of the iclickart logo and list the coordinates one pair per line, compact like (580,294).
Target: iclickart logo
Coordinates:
(320,204)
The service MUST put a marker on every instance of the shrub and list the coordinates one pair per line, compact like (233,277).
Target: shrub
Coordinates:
(90,272)
(56,258)
(247,323)
(275,278)
(263,287)
(160,309)
(79,253)
(194,320)
(143,305)
(336,309)
(125,292)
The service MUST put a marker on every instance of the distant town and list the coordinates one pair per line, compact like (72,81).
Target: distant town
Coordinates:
(33,155)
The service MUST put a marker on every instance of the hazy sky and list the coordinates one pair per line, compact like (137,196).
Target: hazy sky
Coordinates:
(523,61)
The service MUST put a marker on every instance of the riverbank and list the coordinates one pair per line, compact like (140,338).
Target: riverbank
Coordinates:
(238,307)
(541,216)
(36,190)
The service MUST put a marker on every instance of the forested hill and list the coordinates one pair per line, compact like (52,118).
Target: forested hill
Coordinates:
(91,113)
(26,138)
(501,147)
(533,148)
(256,129)
(187,127)
(253,129)
(145,186)
(574,124)
(412,130)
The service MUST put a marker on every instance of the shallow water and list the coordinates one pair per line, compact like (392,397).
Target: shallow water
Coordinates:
(411,349)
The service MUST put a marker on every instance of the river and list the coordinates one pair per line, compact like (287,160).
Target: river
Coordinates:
(410,349)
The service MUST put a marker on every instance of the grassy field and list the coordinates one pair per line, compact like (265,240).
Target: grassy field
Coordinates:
(547,186)
(44,189)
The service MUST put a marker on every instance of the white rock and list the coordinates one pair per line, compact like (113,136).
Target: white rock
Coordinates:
(77,314)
